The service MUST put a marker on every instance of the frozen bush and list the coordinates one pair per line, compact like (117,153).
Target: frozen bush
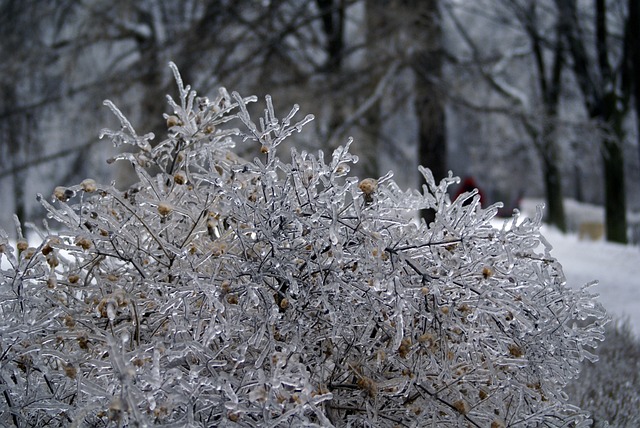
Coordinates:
(610,389)
(223,292)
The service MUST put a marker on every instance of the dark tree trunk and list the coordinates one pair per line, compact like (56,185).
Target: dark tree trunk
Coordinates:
(550,87)
(429,100)
(332,14)
(332,17)
(613,159)
(376,35)
(553,188)
(615,196)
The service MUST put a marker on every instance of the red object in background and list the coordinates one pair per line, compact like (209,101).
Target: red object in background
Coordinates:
(468,184)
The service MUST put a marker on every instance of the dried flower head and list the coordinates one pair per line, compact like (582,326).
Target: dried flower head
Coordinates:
(180,177)
(63,194)
(70,371)
(368,186)
(89,185)
(164,208)
(173,121)
(487,272)
(83,242)
(461,406)
(22,245)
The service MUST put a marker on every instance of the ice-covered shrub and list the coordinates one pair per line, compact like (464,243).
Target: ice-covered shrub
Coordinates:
(225,292)
(610,389)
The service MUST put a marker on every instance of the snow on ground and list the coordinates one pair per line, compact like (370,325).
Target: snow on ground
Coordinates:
(615,266)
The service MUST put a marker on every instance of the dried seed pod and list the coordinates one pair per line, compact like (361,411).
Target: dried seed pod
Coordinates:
(487,272)
(83,242)
(368,385)
(405,347)
(427,337)
(218,249)
(173,121)
(83,342)
(63,194)
(368,187)
(461,406)
(22,245)
(515,351)
(70,371)
(88,185)
(180,177)
(69,321)
(164,209)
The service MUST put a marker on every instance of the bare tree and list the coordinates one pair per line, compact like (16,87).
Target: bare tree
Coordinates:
(534,107)
(548,55)
(604,75)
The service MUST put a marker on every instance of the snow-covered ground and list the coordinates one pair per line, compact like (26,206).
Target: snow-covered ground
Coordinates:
(615,266)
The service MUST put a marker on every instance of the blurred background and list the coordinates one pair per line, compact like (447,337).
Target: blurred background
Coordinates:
(524,98)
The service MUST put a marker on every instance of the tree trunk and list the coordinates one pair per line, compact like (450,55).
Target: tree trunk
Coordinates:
(332,17)
(15,135)
(432,144)
(553,189)
(372,130)
(613,159)
(429,100)
(615,195)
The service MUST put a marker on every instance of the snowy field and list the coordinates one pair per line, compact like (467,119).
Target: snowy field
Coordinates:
(616,267)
